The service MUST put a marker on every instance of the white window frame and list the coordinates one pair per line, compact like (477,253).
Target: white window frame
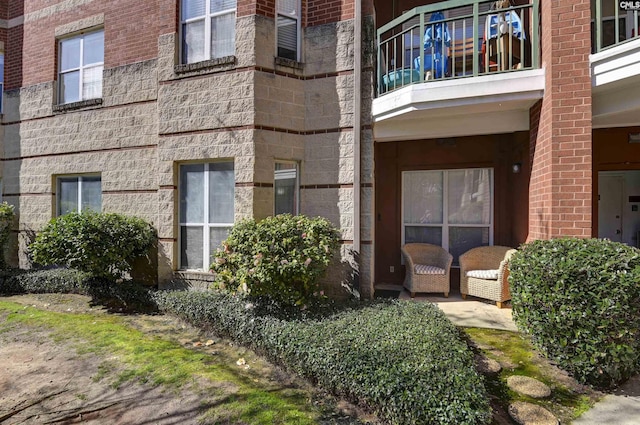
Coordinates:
(206,237)
(80,180)
(445,225)
(207,28)
(80,68)
(296,15)
(2,81)
(284,175)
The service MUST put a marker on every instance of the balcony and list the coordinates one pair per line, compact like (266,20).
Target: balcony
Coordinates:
(458,60)
(615,64)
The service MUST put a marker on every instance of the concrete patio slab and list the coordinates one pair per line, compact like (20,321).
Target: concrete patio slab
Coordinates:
(470,313)
(620,408)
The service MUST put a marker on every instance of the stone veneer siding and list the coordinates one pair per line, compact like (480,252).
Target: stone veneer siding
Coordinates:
(155,114)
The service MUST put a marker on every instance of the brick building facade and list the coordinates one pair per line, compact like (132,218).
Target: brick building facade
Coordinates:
(195,114)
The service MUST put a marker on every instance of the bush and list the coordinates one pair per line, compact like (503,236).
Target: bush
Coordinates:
(282,257)
(404,361)
(102,244)
(127,296)
(6,220)
(580,301)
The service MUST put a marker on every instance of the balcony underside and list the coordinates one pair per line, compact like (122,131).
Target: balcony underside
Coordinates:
(490,104)
(616,86)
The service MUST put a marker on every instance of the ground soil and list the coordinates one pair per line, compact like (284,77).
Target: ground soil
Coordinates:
(46,381)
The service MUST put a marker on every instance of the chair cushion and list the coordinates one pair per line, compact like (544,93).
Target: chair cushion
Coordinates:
(424,269)
(483,274)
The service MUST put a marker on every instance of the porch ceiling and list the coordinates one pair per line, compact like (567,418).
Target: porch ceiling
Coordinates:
(616,86)
(488,104)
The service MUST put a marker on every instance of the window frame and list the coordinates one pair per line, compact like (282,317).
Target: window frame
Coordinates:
(81,68)
(296,195)
(79,179)
(445,225)
(207,17)
(297,16)
(206,226)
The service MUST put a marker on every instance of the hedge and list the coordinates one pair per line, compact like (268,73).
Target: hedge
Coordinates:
(402,360)
(579,299)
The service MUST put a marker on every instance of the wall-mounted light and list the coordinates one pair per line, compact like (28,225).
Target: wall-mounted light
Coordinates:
(516,167)
(634,137)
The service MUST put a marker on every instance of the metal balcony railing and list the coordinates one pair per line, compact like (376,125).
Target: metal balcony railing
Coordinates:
(613,22)
(457,39)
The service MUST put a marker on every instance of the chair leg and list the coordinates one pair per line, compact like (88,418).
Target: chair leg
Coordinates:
(499,304)
(413,295)
(446,295)
(464,296)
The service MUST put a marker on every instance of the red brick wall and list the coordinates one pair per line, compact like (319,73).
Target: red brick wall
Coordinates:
(560,194)
(321,12)
(131,35)
(257,7)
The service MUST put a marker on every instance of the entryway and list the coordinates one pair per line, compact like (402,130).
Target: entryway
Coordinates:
(618,206)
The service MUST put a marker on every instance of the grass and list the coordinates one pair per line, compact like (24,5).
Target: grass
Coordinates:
(241,394)
(516,355)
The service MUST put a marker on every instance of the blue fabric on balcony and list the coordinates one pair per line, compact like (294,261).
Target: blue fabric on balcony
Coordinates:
(436,37)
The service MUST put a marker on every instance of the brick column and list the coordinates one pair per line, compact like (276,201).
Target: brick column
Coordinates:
(560,191)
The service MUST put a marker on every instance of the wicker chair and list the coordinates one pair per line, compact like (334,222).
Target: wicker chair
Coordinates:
(427,268)
(488,266)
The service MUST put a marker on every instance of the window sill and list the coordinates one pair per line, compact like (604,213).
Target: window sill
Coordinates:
(66,107)
(208,65)
(289,63)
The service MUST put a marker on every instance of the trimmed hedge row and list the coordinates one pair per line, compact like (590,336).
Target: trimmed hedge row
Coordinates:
(580,301)
(127,295)
(404,361)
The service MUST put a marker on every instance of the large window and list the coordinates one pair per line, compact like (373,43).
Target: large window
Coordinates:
(288,29)
(450,208)
(206,211)
(81,64)
(285,188)
(79,193)
(208,29)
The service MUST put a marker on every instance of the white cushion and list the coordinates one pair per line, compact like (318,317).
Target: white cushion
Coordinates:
(423,269)
(483,274)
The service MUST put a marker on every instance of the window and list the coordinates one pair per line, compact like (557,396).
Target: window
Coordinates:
(79,193)
(206,211)
(288,29)
(285,188)
(452,208)
(81,64)
(208,29)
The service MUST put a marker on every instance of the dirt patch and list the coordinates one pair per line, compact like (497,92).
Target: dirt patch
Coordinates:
(46,379)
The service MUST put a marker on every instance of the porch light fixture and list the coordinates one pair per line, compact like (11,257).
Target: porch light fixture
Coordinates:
(516,167)
(634,137)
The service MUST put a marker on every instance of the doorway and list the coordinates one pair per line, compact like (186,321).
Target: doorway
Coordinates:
(618,206)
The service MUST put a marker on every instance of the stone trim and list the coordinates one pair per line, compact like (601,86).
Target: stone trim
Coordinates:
(289,63)
(29,194)
(67,107)
(126,191)
(79,25)
(211,65)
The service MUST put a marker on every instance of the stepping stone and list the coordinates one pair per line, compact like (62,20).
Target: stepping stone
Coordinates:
(531,414)
(528,386)
(487,366)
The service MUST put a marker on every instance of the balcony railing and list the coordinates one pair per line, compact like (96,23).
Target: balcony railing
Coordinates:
(613,23)
(457,39)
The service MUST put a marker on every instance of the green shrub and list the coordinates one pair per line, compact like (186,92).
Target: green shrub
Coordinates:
(404,361)
(6,220)
(123,296)
(102,244)
(580,301)
(282,257)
